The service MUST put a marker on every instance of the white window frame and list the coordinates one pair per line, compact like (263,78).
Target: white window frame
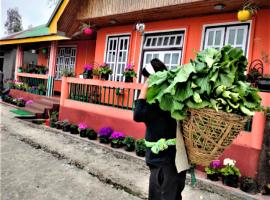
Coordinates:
(164,48)
(65,58)
(235,38)
(248,24)
(222,29)
(115,64)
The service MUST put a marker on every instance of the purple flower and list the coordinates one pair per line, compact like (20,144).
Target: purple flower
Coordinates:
(215,164)
(82,126)
(29,102)
(88,67)
(117,135)
(106,132)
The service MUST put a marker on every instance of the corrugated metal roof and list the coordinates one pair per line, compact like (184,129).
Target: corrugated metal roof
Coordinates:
(37,31)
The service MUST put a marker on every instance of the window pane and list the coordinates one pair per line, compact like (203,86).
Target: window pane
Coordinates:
(148,42)
(175,58)
(210,38)
(166,40)
(154,41)
(156,55)
(167,58)
(240,36)
(148,58)
(231,36)
(218,38)
(126,44)
(159,41)
(172,40)
(178,40)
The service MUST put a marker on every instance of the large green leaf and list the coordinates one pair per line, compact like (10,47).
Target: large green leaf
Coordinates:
(157,78)
(183,91)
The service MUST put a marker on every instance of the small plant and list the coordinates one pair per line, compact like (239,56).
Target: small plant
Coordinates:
(117,139)
(10,83)
(91,134)
(104,135)
(41,88)
(129,143)
(129,73)
(20,102)
(65,125)
(53,118)
(230,173)
(74,129)
(82,129)
(248,184)
(140,147)
(213,169)
(58,125)
(68,73)
(88,70)
(105,71)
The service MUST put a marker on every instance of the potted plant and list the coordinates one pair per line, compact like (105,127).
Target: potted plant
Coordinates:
(67,73)
(91,134)
(248,184)
(20,102)
(88,71)
(129,143)
(212,170)
(263,82)
(117,139)
(42,89)
(246,12)
(95,73)
(230,173)
(104,135)
(140,147)
(58,125)
(129,73)
(20,70)
(53,118)
(65,125)
(74,129)
(82,129)
(104,71)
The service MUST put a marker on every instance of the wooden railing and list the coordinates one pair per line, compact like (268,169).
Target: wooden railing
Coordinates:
(107,93)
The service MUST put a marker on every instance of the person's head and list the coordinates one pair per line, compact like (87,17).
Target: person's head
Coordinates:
(155,66)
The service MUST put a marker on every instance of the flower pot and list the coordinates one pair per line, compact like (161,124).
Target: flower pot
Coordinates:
(58,126)
(74,131)
(52,124)
(104,140)
(85,75)
(92,136)
(19,70)
(104,76)
(140,153)
(264,84)
(66,128)
(230,180)
(129,147)
(83,133)
(128,79)
(248,185)
(116,145)
(244,15)
(213,177)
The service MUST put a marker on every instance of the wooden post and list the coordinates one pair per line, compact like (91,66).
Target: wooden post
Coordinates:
(52,64)
(19,61)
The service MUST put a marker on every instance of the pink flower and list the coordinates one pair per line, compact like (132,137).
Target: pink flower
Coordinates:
(88,67)
(82,126)
(87,31)
(29,102)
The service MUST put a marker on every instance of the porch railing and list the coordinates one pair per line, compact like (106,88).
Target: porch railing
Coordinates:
(107,93)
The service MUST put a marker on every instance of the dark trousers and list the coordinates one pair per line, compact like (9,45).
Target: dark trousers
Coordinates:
(165,183)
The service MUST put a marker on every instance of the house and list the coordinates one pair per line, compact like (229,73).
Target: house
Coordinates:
(174,30)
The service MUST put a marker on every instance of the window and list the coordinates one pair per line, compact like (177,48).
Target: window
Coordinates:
(167,47)
(218,36)
(66,59)
(117,55)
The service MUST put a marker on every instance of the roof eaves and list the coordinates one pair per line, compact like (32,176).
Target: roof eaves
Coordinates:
(60,2)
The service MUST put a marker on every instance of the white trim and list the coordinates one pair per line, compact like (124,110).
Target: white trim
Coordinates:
(165,30)
(113,35)
(140,59)
(230,24)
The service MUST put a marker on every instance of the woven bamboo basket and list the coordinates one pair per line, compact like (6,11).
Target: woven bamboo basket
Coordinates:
(207,133)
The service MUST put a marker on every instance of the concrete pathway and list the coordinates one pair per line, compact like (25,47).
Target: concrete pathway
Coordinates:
(38,161)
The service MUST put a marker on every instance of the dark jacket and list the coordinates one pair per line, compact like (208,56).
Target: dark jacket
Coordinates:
(159,124)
